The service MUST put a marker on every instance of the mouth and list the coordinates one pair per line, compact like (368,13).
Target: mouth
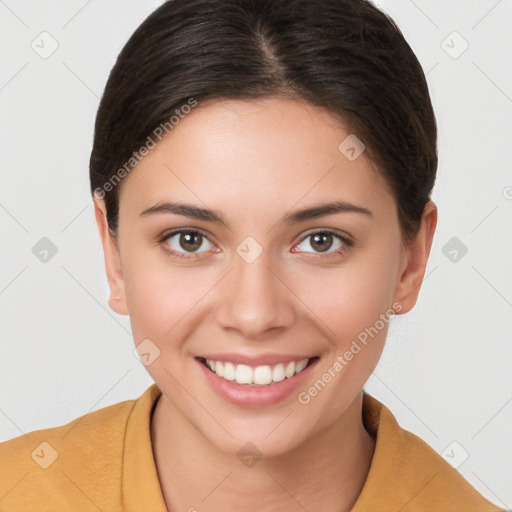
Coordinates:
(257,376)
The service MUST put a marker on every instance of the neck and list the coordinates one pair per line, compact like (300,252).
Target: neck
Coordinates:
(325,473)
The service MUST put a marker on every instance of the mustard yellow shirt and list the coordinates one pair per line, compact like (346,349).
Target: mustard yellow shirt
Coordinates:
(103,461)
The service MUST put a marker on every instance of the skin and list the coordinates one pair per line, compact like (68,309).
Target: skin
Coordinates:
(254,162)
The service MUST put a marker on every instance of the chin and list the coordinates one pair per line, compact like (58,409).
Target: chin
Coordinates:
(261,440)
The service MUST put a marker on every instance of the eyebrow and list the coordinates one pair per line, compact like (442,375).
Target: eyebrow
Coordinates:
(205,214)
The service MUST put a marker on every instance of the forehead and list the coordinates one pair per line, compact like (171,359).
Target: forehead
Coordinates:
(275,151)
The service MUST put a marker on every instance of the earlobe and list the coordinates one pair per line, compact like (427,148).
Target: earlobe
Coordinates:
(113,268)
(416,257)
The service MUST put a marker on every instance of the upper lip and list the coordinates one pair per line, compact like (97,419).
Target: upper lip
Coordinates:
(256,360)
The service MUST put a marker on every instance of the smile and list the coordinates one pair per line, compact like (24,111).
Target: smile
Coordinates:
(264,375)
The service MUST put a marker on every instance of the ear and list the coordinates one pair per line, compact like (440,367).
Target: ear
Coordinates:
(415,259)
(112,257)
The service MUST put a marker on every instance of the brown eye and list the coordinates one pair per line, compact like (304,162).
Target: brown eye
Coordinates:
(190,241)
(324,242)
(321,241)
(187,241)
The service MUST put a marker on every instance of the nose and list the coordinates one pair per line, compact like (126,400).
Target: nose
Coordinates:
(254,299)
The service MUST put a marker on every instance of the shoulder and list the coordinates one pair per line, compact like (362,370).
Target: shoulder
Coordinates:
(54,468)
(435,481)
(407,473)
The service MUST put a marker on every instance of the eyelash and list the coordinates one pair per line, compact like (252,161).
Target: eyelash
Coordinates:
(347,242)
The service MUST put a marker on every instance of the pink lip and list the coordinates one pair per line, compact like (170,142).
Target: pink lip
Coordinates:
(255,396)
(260,360)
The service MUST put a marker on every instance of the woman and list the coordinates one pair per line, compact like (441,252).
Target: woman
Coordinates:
(261,175)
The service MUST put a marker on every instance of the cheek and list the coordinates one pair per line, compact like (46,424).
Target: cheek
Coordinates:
(160,296)
(350,298)
(165,298)
(163,303)
(354,305)
(356,309)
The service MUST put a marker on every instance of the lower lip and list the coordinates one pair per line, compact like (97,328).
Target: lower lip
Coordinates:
(255,396)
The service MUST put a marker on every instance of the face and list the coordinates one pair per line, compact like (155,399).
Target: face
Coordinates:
(225,254)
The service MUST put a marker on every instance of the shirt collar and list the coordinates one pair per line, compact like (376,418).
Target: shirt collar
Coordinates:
(380,485)
(140,484)
(141,487)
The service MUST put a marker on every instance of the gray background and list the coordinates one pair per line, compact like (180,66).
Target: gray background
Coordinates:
(446,370)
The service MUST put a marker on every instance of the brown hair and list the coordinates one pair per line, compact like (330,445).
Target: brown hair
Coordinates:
(344,55)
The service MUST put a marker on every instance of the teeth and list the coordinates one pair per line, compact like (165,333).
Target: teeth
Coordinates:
(229,371)
(289,371)
(243,374)
(278,373)
(219,369)
(260,375)
(301,365)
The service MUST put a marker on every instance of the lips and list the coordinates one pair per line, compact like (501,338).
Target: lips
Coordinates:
(260,375)
(248,393)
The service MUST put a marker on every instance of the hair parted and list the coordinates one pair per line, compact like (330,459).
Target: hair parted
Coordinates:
(344,55)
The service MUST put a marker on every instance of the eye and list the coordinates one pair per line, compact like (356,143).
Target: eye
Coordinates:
(323,241)
(179,243)
(184,243)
